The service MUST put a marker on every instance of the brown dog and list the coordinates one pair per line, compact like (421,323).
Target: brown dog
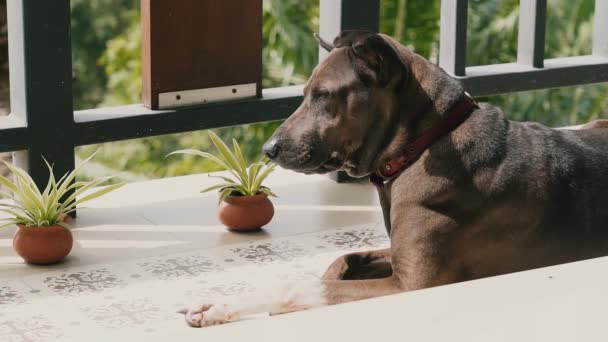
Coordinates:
(485,197)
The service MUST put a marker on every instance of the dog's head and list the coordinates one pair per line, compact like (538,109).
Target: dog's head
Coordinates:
(347,103)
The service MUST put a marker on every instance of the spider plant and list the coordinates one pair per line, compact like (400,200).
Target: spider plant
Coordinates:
(49,207)
(245,180)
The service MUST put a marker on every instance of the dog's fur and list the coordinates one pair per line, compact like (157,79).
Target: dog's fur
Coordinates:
(491,197)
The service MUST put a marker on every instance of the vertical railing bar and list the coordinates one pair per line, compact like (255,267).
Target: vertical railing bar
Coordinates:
(41,83)
(600,29)
(453,36)
(16,52)
(330,20)
(531,35)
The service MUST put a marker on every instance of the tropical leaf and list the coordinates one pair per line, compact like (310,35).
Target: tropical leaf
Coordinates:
(267,191)
(227,154)
(8,183)
(218,160)
(226,179)
(225,193)
(254,169)
(239,155)
(207,155)
(98,193)
(248,179)
(31,207)
(260,178)
(217,186)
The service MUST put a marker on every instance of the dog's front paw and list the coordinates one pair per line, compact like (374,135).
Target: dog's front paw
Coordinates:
(336,270)
(210,314)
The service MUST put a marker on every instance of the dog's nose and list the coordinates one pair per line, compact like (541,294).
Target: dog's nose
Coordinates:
(271,148)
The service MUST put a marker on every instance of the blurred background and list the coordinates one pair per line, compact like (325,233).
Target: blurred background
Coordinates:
(106,49)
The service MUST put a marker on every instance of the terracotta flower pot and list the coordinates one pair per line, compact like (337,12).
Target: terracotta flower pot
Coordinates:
(43,245)
(245,213)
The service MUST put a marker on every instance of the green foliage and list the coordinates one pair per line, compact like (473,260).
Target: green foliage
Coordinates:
(122,65)
(33,208)
(246,180)
(414,23)
(94,23)
(290,51)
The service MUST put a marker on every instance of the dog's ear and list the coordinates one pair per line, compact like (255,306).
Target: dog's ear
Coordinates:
(323,43)
(374,58)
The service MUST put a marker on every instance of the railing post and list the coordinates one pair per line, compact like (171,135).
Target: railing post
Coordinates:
(338,15)
(531,35)
(41,83)
(600,29)
(453,36)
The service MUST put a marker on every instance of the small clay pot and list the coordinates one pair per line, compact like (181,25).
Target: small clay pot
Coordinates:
(43,245)
(245,213)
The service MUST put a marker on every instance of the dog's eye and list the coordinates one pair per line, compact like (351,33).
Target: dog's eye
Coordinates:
(320,93)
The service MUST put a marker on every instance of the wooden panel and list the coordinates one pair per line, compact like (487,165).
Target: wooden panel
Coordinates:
(199,44)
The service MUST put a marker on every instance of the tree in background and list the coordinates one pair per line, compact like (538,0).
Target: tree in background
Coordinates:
(107,65)
(94,24)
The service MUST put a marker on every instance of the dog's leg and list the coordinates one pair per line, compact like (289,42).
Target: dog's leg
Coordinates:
(304,296)
(296,296)
(361,265)
(342,291)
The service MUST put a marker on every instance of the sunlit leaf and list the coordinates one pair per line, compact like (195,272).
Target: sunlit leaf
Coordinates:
(31,207)
(248,179)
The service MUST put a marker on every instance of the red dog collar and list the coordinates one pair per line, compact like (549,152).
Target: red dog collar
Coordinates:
(413,150)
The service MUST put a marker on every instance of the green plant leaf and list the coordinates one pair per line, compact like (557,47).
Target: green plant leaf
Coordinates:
(99,193)
(31,193)
(218,160)
(267,191)
(230,158)
(218,186)
(63,224)
(263,174)
(8,183)
(241,162)
(254,170)
(226,179)
(248,178)
(19,173)
(206,155)
(34,208)
(224,193)
(67,180)
(70,202)
(49,184)
(10,223)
